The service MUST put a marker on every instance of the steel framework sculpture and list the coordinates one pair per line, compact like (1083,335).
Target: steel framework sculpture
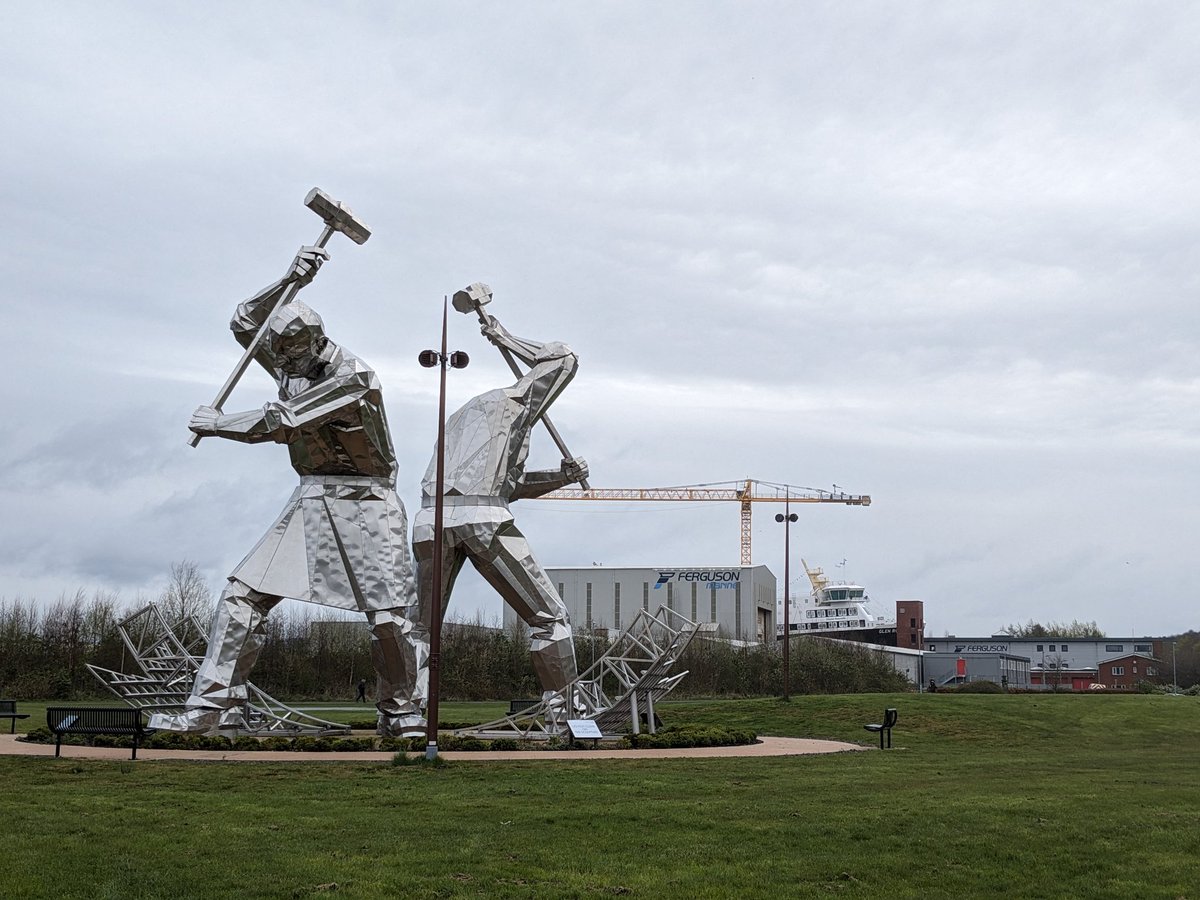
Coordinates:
(619,691)
(169,655)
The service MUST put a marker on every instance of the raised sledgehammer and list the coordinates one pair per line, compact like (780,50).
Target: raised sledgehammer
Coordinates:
(475,297)
(337,217)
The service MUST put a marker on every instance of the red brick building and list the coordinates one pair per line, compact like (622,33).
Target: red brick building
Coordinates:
(1124,672)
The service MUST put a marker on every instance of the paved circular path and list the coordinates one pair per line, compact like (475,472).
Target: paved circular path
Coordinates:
(767,746)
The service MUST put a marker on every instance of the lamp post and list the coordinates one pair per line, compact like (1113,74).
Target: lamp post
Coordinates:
(1174,671)
(456,360)
(787,518)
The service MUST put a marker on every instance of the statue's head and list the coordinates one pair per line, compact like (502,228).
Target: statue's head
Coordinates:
(297,339)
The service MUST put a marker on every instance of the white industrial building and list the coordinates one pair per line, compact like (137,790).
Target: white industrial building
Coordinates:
(739,599)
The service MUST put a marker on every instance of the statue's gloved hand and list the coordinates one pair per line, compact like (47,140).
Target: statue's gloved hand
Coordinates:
(575,469)
(304,267)
(488,330)
(204,420)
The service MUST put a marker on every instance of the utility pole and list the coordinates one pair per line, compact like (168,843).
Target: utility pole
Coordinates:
(787,518)
(456,360)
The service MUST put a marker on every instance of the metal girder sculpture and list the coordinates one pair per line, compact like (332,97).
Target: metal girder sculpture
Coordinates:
(619,691)
(169,654)
(342,538)
(486,445)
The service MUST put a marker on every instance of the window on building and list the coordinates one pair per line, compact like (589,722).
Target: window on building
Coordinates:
(737,616)
(617,605)
(712,601)
(670,595)
(912,623)
(1052,648)
(1151,670)
(912,639)
(694,619)
(646,595)
(1064,648)
(560,590)
(933,648)
(1112,648)
(1142,648)
(588,616)
(1039,646)
(1118,670)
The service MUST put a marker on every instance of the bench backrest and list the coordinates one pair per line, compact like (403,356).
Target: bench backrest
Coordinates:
(86,718)
(890,717)
(8,707)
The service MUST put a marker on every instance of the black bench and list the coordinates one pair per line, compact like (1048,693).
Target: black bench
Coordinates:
(8,710)
(516,706)
(890,716)
(116,720)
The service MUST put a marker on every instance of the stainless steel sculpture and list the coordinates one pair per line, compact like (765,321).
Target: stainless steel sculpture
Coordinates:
(341,540)
(486,445)
(169,655)
(619,691)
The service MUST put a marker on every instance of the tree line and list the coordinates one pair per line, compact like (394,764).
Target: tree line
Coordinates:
(45,650)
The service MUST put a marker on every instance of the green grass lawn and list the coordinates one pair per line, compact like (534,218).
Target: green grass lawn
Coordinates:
(983,795)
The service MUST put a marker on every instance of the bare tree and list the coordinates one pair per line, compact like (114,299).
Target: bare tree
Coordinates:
(186,594)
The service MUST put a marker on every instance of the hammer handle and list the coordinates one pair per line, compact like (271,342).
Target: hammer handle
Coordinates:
(240,369)
(516,370)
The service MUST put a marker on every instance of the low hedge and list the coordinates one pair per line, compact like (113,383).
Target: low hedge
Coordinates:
(685,736)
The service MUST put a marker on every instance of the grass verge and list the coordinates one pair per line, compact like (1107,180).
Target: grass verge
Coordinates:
(1047,796)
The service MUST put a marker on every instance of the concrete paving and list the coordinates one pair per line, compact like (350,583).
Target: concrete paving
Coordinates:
(766,746)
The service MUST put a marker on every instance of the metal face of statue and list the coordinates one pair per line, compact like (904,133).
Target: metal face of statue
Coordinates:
(342,538)
(487,443)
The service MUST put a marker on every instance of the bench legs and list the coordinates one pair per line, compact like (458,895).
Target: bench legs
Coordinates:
(58,745)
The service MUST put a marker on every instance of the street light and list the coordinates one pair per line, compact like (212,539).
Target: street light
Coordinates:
(456,360)
(787,518)
(1174,671)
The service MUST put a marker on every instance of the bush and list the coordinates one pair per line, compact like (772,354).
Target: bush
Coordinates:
(692,736)
(977,687)
(39,735)
(352,745)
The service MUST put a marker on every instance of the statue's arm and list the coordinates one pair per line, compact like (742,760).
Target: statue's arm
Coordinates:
(250,314)
(535,484)
(327,401)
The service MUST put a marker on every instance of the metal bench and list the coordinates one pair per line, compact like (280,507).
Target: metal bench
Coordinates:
(115,720)
(516,706)
(890,716)
(8,710)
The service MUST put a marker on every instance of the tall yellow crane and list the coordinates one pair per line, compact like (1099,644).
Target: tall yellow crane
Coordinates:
(747,493)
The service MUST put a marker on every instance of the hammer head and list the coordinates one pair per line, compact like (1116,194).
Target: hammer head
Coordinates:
(337,216)
(472,297)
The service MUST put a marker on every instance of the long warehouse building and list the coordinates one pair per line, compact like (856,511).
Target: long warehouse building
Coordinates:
(740,599)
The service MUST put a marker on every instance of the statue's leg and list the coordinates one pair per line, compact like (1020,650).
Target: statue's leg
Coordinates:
(399,650)
(452,561)
(239,629)
(509,566)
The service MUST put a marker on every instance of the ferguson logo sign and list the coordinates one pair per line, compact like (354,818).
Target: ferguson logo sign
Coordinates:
(720,578)
(981,648)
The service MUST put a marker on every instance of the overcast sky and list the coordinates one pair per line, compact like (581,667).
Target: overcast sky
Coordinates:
(943,254)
